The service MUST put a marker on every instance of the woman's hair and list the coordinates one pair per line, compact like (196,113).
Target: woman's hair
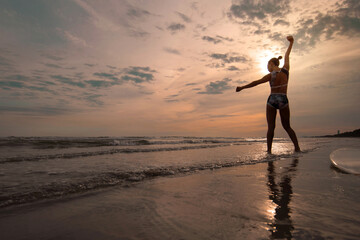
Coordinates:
(276,61)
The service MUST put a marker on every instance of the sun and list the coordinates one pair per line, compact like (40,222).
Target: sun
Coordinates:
(263,59)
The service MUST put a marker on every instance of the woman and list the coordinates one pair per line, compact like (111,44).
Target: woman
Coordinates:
(278,79)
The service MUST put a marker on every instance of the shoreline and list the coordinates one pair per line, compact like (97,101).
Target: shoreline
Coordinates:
(300,197)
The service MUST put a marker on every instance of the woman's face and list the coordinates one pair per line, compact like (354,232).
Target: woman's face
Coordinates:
(270,66)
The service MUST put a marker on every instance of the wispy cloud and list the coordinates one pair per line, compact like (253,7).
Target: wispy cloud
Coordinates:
(176,27)
(51,65)
(99,83)
(71,37)
(344,21)
(233,68)
(138,74)
(217,87)
(38,110)
(211,39)
(68,81)
(110,76)
(228,57)
(281,22)
(184,17)
(217,39)
(223,59)
(248,10)
(137,12)
(11,84)
(52,57)
(172,51)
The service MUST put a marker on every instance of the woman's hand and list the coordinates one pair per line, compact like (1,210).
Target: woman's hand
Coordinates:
(238,89)
(290,38)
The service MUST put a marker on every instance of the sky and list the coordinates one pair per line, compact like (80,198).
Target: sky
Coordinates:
(168,67)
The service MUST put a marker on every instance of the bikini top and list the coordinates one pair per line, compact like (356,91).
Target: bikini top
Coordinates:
(273,77)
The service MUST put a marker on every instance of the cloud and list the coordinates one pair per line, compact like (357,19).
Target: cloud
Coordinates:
(89,64)
(226,58)
(281,22)
(18,77)
(259,10)
(261,31)
(217,87)
(217,39)
(138,33)
(111,67)
(49,111)
(240,82)
(138,74)
(176,27)
(137,12)
(260,14)
(101,22)
(276,36)
(110,76)
(68,81)
(99,83)
(225,38)
(19,81)
(233,68)
(11,84)
(73,39)
(344,21)
(219,115)
(172,51)
(172,98)
(93,99)
(39,21)
(52,65)
(211,39)
(5,63)
(184,17)
(42,89)
(133,74)
(52,57)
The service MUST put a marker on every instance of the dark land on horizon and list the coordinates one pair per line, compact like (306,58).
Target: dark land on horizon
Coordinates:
(355,133)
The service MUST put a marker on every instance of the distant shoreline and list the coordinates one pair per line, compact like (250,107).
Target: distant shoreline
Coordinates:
(355,133)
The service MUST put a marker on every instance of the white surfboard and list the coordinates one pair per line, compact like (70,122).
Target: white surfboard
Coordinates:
(346,159)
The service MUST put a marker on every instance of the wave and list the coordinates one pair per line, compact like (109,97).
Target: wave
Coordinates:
(85,142)
(120,178)
(106,152)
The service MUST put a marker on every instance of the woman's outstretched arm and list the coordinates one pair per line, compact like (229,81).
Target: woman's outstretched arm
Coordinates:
(287,54)
(265,79)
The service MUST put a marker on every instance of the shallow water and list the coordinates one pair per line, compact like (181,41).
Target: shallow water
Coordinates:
(37,168)
(284,196)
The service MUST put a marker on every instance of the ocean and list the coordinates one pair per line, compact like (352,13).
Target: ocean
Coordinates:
(39,168)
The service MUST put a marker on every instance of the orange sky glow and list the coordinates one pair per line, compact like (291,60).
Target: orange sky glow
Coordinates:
(124,68)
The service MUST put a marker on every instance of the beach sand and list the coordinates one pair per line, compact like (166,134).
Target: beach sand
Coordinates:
(300,197)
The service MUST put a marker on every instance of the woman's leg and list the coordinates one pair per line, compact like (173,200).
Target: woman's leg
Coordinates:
(270,117)
(285,121)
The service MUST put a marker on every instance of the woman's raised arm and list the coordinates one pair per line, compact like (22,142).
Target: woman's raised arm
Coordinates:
(287,54)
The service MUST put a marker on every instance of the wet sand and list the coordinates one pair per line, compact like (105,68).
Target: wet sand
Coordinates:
(300,197)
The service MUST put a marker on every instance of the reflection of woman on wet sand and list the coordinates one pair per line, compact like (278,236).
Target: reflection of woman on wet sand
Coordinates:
(278,79)
(282,225)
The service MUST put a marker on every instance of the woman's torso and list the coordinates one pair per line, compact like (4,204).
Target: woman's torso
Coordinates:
(279,81)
